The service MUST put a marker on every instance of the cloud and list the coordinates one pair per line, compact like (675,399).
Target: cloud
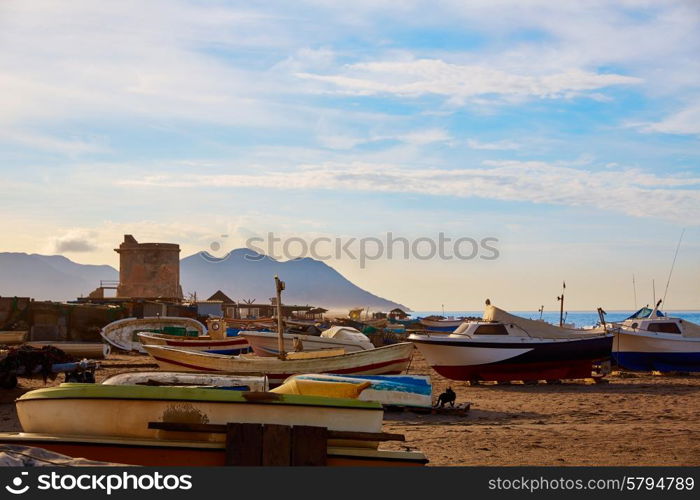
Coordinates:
(76,241)
(461,82)
(684,122)
(493,146)
(627,191)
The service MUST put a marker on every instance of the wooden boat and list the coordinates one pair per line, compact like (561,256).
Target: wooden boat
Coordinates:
(188,453)
(650,341)
(90,350)
(389,390)
(125,410)
(504,347)
(348,338)
(13,337)
(122,333)
(232,382)
(224,345)
(393,359)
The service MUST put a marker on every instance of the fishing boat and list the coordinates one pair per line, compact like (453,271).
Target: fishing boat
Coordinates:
(90,350)
(348,338)
(122,333)
(126,410)
(13,337)
(440,325)
(231,382)
(504,347)
(188,453)
(393,359)
(389,390)
(205,343)
(651,341)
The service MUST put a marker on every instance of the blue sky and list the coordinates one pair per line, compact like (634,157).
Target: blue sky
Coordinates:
(568,130)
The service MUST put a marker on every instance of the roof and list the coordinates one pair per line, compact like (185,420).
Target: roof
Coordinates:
(221,296)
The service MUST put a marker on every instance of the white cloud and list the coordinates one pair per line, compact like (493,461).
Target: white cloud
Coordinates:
(627,191)
(686,121)
(493,146)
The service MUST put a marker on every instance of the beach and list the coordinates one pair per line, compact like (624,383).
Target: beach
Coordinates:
(634,419)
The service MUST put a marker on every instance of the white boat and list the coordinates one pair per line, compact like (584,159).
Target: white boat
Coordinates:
(223,345)
(348,338)
(651,341)
(235,382)
(123,333)
(389,390)
(504,347)
(392,359)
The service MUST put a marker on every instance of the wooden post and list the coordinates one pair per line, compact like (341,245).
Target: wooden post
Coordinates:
(279,286)
(244,444)
(309,446)
(276,445)
(561,305)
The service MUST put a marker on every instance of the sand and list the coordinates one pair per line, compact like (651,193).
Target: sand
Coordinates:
(635,419)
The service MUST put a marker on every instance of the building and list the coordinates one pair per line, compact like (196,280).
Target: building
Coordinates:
(149,270)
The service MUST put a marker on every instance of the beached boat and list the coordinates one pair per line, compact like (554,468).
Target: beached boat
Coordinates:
(504,347)
(348,338)
(13,337)
(393,359)
(440,325)
(125,411)
(189,453)
(223,345)
(122,333)
(389,390)
(651,341)
(90,350)
(232,382)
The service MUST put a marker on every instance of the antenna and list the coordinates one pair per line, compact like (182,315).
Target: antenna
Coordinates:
(634,287)
(668,282)
(653,289)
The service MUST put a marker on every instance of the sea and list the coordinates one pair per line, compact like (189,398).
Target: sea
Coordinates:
(580,319)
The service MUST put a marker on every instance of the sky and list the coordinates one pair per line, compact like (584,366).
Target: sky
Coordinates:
(567,131)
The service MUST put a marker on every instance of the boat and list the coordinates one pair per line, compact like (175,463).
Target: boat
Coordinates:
(90,350)
(389,390)
(231,382)
(504,347)
(13,337)
(125,411)
(122,333)
(392,359)
(348,338)
(189,453)
(205,343)
(650,341)
(440,325)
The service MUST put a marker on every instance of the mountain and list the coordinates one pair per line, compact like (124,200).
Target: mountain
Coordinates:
(242,274)
(49,277)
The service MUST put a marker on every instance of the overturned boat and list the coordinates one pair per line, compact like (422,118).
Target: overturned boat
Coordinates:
(504,347)
(123,333)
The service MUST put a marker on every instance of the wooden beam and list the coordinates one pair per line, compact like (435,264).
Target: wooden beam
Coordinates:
(244,444)
(276,445)
(309,446)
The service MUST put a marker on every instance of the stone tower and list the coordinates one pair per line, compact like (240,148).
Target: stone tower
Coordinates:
(149,270)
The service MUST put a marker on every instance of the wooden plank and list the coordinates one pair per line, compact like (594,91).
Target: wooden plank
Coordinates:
(277,445)
(222,429)
(244,444)
(309,446)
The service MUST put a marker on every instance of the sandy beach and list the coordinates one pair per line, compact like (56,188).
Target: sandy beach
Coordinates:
(634,419)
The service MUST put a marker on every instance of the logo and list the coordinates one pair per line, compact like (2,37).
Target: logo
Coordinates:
(17,483)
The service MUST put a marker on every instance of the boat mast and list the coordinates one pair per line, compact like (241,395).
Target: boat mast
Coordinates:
(561,304)
(634,287)
(279,286)
(672,265)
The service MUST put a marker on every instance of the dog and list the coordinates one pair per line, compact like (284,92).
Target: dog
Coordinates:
(448,396)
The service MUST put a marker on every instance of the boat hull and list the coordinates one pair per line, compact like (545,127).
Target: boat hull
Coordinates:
(393,359)
(265,344)
(13,337)
(188,454)
(227,345)
(122,333)
(656,352)
(125,411)
(505,361)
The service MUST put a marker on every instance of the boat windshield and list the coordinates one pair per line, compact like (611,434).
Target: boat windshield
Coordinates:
(645,312)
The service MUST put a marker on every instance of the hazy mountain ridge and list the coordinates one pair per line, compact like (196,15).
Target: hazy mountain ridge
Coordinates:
(242,274)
